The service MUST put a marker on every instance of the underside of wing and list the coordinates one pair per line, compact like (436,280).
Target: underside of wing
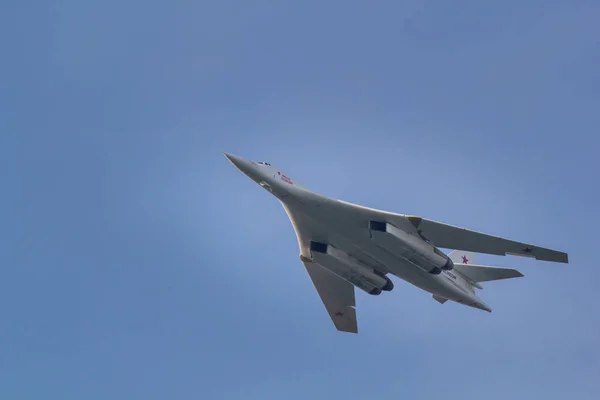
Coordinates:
(336,293)
(453,237)
(337,296)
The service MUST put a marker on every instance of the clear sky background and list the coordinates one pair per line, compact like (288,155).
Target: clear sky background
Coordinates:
(138,263)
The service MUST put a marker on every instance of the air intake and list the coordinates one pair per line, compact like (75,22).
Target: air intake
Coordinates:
(377,226)
(318,247)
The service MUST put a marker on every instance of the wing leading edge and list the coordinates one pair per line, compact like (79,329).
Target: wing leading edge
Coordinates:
(336,293)
(337,296)
(453,237)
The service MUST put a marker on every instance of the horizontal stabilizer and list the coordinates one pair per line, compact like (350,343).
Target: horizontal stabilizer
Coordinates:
(480,273)
(439,299)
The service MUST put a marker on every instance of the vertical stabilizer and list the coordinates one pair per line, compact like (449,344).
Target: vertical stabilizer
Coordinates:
(462,257)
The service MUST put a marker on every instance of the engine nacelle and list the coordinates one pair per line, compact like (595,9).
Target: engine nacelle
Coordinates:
(349,268)
(410,247)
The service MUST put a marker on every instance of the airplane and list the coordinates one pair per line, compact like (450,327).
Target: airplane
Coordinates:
(344,245)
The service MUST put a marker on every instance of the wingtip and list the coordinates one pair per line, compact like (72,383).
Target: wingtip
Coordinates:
(519,274)
(561,258)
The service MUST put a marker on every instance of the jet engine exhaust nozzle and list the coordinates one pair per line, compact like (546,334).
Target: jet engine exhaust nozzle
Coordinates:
(449,265)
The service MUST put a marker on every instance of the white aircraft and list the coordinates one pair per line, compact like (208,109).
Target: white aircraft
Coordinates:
(343,245)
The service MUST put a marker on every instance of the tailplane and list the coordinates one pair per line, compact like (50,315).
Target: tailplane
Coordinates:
(480,273)
(463,264)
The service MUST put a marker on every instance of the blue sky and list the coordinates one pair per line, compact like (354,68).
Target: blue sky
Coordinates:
(137,263)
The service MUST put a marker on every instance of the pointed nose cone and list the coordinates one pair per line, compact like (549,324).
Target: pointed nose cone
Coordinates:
(235,160)
(482,306)
(239,162)
(231,158)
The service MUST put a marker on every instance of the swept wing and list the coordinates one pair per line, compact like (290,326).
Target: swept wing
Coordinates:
(454,237)
(336,294)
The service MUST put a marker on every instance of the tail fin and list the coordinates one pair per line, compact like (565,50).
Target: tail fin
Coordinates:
(480,273)
(463,263)
(462,257)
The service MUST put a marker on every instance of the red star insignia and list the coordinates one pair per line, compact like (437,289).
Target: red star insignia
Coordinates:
(465,259)
(338,314)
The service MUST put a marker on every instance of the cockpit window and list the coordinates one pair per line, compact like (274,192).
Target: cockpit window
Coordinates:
(264,163)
